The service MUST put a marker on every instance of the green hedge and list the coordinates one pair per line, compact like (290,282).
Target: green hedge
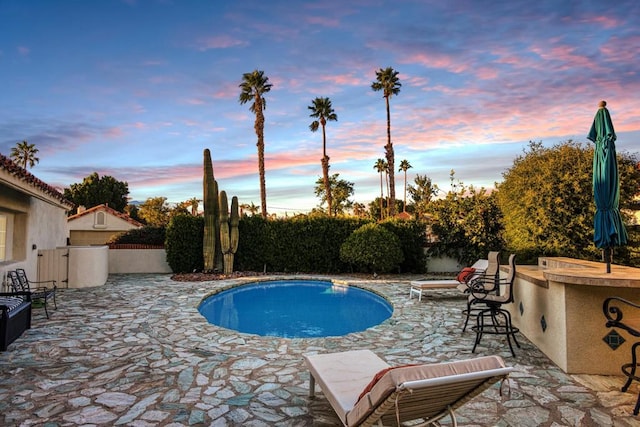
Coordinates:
(184,243)
(146,235)
(303,244)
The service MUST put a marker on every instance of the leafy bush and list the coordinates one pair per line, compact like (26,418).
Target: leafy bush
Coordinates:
(184,243)
(146,235)
(372,248)
(412,235)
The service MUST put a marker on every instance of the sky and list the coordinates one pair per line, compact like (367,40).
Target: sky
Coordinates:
(137,89)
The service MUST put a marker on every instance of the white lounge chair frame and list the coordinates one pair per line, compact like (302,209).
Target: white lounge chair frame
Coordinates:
(419,286)
(394,399)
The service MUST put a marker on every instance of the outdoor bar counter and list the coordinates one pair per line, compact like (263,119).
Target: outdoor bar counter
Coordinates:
(558,307)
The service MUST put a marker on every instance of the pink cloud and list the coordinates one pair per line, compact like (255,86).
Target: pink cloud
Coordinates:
(23,50)
(436,60)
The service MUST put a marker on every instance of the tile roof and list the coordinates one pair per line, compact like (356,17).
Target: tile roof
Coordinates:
(23,175)
(107,209)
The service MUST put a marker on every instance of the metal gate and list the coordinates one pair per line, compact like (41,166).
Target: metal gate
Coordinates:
(53,264)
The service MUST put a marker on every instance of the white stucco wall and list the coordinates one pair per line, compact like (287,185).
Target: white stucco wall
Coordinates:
(36,224)
(138,261)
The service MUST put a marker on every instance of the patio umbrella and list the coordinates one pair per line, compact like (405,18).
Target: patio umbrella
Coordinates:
(608,230)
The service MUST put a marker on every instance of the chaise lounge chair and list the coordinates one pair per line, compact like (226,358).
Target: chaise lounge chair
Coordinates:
(480,270)
(364,390)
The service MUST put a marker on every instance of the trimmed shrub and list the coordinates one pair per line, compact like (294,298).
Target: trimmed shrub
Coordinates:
(372,248)
(147,235)
(412,235)
(184,243)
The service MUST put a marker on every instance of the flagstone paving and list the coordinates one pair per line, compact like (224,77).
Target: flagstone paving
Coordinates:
(136,352)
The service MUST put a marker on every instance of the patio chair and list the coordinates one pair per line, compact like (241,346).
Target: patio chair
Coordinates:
(15,316)
(41,293)
(612,308)
(486,282)
(364,390)
(491,317)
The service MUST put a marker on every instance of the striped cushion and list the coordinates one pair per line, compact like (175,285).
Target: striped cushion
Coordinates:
(11,302)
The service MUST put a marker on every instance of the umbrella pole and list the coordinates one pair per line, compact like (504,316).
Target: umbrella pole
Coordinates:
(607,254)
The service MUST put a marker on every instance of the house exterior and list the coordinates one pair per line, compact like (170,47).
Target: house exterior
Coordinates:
(96,225)
(33,217)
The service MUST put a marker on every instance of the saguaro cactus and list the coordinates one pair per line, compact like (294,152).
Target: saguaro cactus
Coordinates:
(229,234)
(211,210)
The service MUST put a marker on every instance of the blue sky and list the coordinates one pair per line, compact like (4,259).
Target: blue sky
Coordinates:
(137,89)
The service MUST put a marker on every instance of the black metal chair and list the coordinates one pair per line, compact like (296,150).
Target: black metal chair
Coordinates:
(20,283)
(631,324)
(484,283)
(492,318)
(15,316)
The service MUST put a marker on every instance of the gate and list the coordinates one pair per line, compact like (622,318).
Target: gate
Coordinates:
(53,264)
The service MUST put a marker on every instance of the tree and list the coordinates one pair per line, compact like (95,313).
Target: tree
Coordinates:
(381,166)
(95,190)
(24,154)
(387,81)
(322,110)
(251,208)
(254,85)
(359,209)
(467,223)
(341,189)
(422,193)
(193,203)
(405,166)
(547,201)
(155,211)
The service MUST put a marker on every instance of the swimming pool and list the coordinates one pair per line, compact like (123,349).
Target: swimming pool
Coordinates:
(296,309)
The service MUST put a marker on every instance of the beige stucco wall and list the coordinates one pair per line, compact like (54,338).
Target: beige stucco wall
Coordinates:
(97,237)
(88,266)
(575,323)
(85,231)
(138,261)
(37,224)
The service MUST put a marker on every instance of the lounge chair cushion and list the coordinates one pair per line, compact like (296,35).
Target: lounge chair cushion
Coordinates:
(342,376)
(388,383)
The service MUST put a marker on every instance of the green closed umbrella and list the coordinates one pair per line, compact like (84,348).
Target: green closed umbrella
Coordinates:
(608,230)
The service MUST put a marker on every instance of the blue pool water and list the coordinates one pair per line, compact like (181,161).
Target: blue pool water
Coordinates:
(296,309)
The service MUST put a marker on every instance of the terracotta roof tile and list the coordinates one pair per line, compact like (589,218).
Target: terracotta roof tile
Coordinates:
(25,176)
(106,208)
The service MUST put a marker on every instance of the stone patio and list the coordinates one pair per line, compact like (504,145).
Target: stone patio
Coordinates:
(136,352)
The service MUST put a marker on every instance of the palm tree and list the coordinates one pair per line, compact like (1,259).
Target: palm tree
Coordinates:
(24,154)
(251,208)
(193,203)
(388,82)
(254,85)
(322,110)
(404,166)
(381,166)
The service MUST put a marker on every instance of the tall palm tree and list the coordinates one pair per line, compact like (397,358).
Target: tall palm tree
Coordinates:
(24,154)
(322,110)
(405,166)
(387,81)
(254,85)
(193,203)
(381,166)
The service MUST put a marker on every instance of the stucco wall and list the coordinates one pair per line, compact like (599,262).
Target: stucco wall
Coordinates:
(36,225)
(138,261)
